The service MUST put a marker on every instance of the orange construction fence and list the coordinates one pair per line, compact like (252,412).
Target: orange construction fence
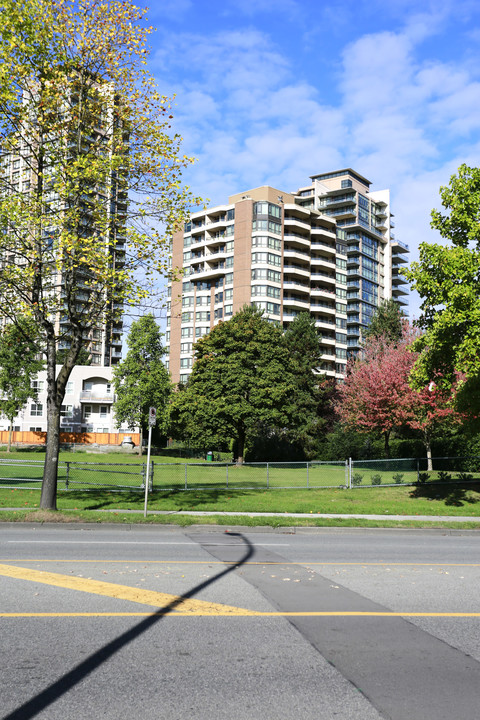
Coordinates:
(25,437)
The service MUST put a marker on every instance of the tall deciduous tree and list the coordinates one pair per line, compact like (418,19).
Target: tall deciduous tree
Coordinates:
(242,378)
(82,116)
(447,278)
(19,365)
(377,395)
(141,380)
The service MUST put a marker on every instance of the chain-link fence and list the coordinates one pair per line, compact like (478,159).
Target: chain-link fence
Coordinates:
(74,475)
(186,476)
(191,475)
(407,471)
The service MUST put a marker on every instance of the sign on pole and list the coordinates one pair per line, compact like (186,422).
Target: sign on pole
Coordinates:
(152,419)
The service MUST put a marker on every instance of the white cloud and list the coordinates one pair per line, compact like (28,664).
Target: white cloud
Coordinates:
(402,118)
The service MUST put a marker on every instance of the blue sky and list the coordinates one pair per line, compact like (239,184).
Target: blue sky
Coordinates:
(273,91)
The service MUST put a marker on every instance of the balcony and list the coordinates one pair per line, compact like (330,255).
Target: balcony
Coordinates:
(96,396)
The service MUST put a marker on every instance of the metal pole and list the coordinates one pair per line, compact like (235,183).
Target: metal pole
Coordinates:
(267,478)
(349,472)
(68,470)
(147,478)
(227,475)
(307,477)
(186,482)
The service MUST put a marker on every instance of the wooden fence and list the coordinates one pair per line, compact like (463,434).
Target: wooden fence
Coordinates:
(24,437)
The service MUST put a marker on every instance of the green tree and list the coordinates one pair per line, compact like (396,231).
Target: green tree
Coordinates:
(447,279)
(312,401)
(141,380)
(19,365)
(242,379)
(100,173)
(387,321)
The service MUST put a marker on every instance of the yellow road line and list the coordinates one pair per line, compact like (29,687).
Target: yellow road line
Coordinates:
(121,592)
(222,612)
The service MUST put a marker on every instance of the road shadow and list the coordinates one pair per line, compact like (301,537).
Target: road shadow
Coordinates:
(452,493)
(60,687)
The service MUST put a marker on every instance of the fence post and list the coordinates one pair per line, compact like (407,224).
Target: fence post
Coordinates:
(308,486)
(186,483)
(150,489)
(68,472)
(226,467)
(418,470)
(349,472)
(268,481)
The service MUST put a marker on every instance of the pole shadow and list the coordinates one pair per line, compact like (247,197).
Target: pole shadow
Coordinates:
(61,686)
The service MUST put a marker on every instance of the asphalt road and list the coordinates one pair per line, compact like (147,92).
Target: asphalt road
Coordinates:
(164,623)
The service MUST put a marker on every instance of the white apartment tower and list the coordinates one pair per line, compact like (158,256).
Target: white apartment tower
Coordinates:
(327,249)
(20,168)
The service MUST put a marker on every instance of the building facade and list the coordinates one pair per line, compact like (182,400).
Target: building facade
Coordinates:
(327,249)
(87,408)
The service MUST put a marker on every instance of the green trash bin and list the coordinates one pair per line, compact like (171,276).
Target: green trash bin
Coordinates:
(210,457)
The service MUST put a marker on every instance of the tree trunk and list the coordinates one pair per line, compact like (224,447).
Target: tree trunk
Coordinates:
(48,498)
(240,446)
(428,447)
(55,394)
(386,436)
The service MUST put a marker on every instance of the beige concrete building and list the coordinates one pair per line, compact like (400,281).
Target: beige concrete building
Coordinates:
(328,249)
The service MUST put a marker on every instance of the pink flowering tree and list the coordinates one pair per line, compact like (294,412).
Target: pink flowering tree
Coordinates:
(377,396)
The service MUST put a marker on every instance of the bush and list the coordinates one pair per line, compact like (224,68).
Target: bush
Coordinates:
(423,477)
(464,477)
(376,479)
(398,477)
(444,476)
(357,478)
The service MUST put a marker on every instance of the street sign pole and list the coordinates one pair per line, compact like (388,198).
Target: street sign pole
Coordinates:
(152,419)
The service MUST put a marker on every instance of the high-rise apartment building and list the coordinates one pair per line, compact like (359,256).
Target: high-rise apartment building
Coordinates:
(91,208)
(327,249)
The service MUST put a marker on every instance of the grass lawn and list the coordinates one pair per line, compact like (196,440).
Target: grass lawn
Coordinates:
(211,493)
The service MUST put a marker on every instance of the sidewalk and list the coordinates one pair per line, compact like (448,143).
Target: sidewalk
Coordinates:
(422,518)
(330,516)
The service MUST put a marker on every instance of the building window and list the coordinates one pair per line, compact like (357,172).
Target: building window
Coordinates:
(36,409)
(38,385)
(186,363)
(69,388)
(186,332)
(104,411)
(266,241)
(186,347)
(35,429)
(202,316)
(346,184)
(66,411)
(228,310)
(87,412)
